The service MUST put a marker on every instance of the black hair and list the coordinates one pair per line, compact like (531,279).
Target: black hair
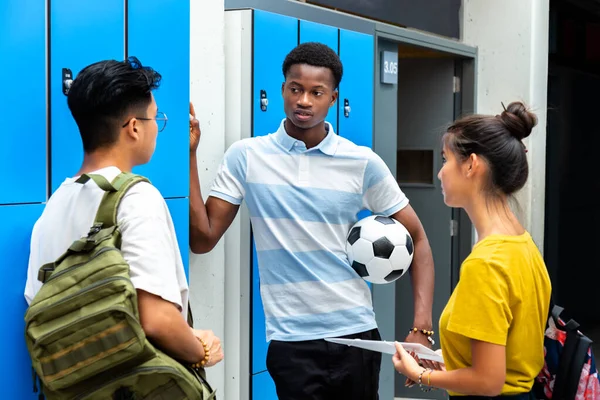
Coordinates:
(317,55)
(498,140)
(103,93)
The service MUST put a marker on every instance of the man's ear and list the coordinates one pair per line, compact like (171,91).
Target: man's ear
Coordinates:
(132,129)
(334,97)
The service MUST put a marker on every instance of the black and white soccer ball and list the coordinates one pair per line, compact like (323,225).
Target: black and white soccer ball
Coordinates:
(379,249)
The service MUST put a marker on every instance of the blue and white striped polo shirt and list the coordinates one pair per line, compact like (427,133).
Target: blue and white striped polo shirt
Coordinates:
(302,204)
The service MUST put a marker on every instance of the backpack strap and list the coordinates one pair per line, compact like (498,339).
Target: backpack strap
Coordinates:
(106,216)
(105,222)
(572,357)
(101,181)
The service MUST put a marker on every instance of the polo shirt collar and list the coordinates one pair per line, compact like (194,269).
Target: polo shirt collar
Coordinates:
(327,146)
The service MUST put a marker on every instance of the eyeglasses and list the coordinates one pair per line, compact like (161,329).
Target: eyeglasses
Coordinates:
(161,120)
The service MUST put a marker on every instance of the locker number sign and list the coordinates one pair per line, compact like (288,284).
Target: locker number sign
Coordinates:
(389,67)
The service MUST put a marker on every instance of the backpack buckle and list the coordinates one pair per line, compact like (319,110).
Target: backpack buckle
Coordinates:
(97,227)
(45,272)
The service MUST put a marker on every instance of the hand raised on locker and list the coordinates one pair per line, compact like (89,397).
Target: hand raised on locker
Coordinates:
(194,129)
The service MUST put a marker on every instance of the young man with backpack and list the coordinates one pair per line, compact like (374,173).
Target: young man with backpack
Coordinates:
(118,120)
(304,186)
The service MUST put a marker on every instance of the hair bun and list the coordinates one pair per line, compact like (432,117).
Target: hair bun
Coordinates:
(518,120)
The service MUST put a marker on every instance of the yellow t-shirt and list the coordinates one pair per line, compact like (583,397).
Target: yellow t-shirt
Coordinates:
(502,297)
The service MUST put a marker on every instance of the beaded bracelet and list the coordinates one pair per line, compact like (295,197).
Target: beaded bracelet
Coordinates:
(206,358)
(428,379)
(425,332)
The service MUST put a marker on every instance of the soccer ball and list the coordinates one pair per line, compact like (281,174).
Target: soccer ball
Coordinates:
(379,249)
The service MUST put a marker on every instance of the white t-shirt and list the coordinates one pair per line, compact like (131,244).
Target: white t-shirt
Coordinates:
(149,244)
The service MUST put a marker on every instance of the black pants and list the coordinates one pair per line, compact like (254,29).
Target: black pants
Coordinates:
(320,370)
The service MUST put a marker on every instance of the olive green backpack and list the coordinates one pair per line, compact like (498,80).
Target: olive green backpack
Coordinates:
(82,328)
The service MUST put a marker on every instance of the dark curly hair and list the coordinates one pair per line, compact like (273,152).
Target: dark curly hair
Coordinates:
(317,55)
(103,93)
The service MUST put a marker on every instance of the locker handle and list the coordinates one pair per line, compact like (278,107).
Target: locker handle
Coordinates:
(264,100)
(347,108)
(67,80)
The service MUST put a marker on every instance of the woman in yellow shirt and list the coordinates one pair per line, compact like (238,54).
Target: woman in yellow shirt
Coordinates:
(492,328)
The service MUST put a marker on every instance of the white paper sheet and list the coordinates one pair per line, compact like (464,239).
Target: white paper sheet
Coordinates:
(390,348)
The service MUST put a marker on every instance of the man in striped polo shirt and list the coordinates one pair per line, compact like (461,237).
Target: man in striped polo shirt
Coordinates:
(304,186)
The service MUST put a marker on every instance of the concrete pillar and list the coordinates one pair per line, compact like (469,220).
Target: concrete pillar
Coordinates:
(512,41)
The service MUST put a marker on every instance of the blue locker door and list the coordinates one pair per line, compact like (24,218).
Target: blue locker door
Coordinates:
(15,373)
(328,35)
(180,213)
(259,341)
(81,33)
(159,36)
(356,89)
(23,101)
(263,387)
(269,52)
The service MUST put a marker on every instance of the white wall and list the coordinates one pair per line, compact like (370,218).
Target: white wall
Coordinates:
(207,92)
(512,41)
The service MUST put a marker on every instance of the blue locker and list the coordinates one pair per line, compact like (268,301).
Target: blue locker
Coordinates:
(355,103)
(263,387)
(81,33)
(180,213)
(259,342)
(159,35)
(328,35)
(15,235)
(23,101)
(269,52)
